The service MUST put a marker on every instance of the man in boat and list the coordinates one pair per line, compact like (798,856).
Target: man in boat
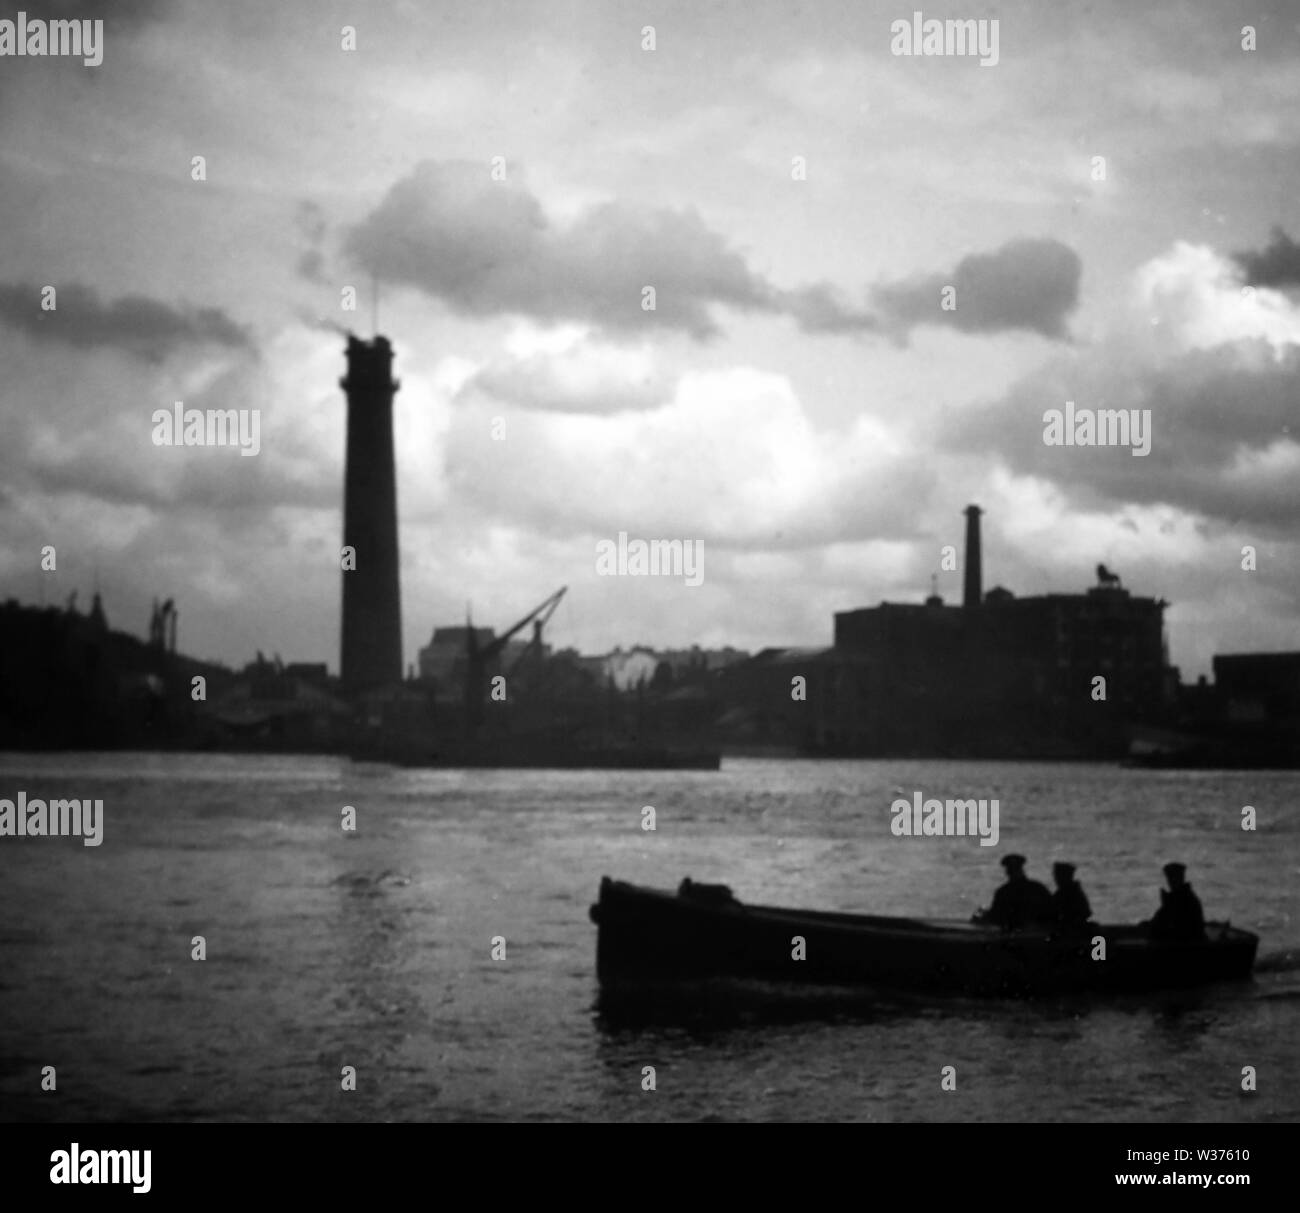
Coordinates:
(1020,902)
(1070,908)
(1180,915)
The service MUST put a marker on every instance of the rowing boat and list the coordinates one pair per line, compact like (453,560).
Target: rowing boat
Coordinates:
(702,932)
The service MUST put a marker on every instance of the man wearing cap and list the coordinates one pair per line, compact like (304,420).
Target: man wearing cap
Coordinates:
(1180,915)
(1019,902)
(1070,906)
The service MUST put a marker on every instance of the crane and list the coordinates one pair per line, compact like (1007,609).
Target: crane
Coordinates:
(477,658)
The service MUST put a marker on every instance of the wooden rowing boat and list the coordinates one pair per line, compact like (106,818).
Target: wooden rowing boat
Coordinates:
(702,933)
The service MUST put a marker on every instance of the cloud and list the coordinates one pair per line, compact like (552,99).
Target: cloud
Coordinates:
(123,18)
(311,266)
(487,248)
(1277,264)
(580,376)
(822,309)
(121,15)
(1191,298)
(1220,375)
(91,437)
(145,327)
(1026,284)
(730,456)
(312,227)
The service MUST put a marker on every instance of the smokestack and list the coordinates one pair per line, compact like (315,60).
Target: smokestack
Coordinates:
(974,591)
(372,609)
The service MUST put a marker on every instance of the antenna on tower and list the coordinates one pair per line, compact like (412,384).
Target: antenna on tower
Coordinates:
(374,305)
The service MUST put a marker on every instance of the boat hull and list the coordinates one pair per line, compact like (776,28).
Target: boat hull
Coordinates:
(654,936)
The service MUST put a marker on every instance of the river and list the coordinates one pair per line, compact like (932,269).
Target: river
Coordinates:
(373,948)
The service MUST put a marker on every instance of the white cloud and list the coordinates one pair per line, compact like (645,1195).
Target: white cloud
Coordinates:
(731,456)
(1194,298)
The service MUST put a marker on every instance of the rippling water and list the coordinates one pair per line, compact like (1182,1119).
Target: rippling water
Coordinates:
(374,950)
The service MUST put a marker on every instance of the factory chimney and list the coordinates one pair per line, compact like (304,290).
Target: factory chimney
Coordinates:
(974,590)
(372,610)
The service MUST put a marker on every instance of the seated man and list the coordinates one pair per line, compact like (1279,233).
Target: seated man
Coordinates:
(1070,906)
(1180,915)
(1020,902)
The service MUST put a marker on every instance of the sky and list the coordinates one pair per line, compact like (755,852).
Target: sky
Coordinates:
(1109,213)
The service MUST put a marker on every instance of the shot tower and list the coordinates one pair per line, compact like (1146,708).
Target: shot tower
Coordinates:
(372,608)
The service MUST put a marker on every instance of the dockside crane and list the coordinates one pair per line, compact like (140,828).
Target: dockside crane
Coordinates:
(477,657)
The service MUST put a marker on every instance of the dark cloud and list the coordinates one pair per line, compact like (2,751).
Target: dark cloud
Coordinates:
(1026,284)
(487,248)
(226,483)
(1276,264)
(91,439)
(821,309)
(1222,421)
(145,327)
(119,15)
(122,20)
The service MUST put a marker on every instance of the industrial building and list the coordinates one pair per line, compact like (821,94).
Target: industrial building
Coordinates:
(996,676)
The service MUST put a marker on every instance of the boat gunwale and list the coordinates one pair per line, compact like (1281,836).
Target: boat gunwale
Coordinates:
(1218,933)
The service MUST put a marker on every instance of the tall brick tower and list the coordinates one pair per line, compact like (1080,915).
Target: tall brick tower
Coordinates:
(372,607)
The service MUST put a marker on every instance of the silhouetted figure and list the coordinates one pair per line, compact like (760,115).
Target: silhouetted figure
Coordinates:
(1020,902)
(1070,906)
(1180,915)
